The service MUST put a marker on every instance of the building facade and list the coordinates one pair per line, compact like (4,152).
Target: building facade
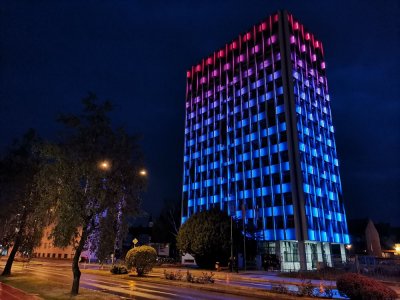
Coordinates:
(259,142)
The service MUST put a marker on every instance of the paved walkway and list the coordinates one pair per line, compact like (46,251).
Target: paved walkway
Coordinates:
(9,293)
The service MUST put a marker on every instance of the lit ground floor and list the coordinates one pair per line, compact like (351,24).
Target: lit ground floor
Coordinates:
(299,255)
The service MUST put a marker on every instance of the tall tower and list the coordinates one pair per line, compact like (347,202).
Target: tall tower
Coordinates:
(259,143)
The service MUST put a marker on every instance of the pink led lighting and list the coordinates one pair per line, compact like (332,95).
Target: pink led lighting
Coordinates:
(313,58)
(307,36)
(292,39)
(296,26)
(303,48)
(247,36)
(233,45)
(221,53)
(276,18)
(256,49)
(263,26)
(323,65)
(209,61)
(198,68)
(316,44)
(188,74)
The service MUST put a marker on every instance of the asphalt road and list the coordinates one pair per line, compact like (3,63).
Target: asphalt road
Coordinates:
(124,288)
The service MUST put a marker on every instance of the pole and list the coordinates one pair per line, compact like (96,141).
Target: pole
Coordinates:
(244,235)
(231,241)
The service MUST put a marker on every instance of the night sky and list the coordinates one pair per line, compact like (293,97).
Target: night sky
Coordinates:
(136,53)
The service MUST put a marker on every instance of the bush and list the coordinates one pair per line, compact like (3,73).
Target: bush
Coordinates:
(118,269)
(173,275)
(190,277)
(206,236)
(142,258)
(360,287)
(306,288)
(205,278)
(280,289)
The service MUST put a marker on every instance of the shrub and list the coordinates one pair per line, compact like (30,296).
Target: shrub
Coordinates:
(206,235)
(281,289)
(306,289)
(189,277)
(206,278)
(360,287)
(142,258)
(173,275)
(118,269)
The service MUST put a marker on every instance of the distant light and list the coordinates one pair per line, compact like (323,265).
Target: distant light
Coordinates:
(348,247)
(105,165)
(143,172)
(397,248)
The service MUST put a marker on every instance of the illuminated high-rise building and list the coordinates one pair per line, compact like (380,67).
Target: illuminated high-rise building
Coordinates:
(259,143)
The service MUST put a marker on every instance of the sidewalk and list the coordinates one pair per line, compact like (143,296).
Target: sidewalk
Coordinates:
(9,293)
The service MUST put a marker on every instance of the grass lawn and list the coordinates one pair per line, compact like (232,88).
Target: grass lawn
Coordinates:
(51,290)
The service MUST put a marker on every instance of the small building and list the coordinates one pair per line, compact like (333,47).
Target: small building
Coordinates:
(46,248)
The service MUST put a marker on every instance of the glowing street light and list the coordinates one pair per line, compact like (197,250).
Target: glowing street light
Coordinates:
(397,249)
(104,165)
(143,172)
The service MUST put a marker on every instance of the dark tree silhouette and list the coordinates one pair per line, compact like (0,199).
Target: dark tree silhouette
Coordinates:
(93,180)
(22,214)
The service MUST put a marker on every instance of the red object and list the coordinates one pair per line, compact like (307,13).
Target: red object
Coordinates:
(8,292)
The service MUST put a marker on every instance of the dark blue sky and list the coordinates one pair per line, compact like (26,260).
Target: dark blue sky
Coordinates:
(136,54)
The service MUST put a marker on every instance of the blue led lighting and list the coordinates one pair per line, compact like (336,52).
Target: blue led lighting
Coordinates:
(241,149)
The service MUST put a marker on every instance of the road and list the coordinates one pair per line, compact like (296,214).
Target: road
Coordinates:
(124,288)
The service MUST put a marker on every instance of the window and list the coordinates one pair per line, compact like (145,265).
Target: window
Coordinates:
(290,221)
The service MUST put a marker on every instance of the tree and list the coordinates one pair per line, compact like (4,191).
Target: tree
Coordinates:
(142,258)
(93,180)
(22,214)
(166,226)
(206,235)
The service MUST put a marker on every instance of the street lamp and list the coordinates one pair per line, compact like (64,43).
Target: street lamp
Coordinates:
(143,172)
(104,165)
(397,249)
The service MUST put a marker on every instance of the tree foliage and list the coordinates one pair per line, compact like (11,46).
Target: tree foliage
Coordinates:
(166,226)
(93,182)
(22,214)
(142,258)
(206,235)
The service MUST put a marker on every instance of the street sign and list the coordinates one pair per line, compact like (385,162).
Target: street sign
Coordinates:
(135,241)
